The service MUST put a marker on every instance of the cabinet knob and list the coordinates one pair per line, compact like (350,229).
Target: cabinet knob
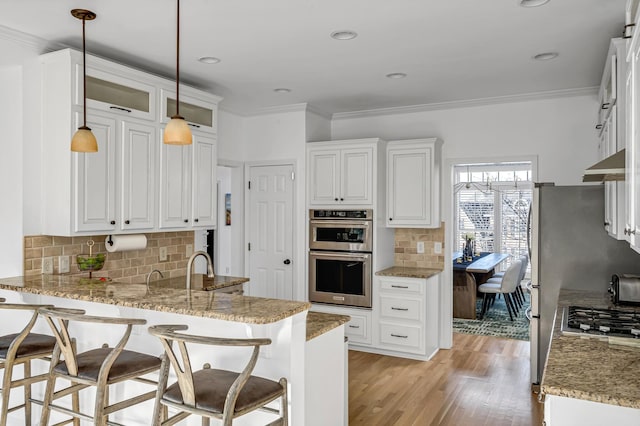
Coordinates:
(113,222)
(287,262)
(626,231)
(195,220)
(390,218)
(335,199)
(126,222)
(607,224)
(186,221)
(632,232)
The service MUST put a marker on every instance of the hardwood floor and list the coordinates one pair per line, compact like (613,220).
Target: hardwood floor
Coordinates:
(480,381)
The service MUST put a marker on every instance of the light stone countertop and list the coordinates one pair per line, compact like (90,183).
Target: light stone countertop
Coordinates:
(408,272)
(319,323)
(589,368)
(163,295)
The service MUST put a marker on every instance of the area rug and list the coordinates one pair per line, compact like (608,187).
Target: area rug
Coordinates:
(496,322)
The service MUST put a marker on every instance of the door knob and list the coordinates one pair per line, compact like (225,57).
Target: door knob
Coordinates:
(287,261)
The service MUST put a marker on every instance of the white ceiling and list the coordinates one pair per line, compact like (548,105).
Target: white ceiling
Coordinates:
(451,50)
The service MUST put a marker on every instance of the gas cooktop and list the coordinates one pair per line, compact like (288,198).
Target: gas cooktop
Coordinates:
(596,322)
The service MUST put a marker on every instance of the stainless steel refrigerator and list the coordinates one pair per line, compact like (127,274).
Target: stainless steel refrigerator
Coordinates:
(570,249)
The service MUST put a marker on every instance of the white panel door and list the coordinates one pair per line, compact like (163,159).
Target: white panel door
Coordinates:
(271,231)
(138,176)
(94,195)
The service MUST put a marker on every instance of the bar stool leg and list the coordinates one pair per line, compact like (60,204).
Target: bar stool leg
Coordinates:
(27,393)
(6,387)
(75,406)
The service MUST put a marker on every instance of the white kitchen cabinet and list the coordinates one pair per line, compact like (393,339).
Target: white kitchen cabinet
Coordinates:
(632,154)
(612,133)
(188,184)
(408,316)
(342,172)
(413,183)
(564,411)
(133,183)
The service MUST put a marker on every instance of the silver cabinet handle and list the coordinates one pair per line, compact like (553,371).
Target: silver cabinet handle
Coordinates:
(399,286)
(399,309)
(400,336)
(354,326)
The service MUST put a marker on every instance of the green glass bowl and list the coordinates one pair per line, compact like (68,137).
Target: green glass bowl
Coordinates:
(90,263)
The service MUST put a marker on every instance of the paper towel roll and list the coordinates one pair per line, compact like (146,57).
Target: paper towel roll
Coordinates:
(125,242)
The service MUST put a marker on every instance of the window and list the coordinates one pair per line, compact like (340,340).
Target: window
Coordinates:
(492,205)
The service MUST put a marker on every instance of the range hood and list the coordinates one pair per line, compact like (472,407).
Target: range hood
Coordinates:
(609,169)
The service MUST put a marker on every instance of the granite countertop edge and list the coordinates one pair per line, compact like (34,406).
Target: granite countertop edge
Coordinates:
(587,368)
(282,309)
(319,323)
(408,272)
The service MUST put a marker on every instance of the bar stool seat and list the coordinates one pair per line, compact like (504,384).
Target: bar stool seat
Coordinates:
(20,349)
(213,393)
(97,368)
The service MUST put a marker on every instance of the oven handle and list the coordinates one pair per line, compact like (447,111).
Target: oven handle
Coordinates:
(363,256)
(341,223)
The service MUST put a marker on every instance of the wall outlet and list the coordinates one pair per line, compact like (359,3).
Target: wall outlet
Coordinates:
(163,254)
(63,264)
(437,247)
(189,250)
(420,247)
(47,265)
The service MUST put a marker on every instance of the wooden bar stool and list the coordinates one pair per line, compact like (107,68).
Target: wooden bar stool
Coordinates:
(22,348)
(210,392)
(99,367)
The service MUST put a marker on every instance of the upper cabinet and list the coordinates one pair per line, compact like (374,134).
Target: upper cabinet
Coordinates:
(343,173)
(632,155)
(612,132)
(413,183)
(134,183)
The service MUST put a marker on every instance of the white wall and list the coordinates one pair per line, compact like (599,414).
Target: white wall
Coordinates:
(558,131)
(230,135)
(11,208)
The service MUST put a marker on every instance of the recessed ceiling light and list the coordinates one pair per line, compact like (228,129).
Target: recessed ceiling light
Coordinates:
(209,60)
(547,56)
(282,90)
(533,3)
(344,35)
(396,75)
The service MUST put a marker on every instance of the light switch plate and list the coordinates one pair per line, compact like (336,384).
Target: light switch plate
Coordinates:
(189,250)
(420,247)
(437,247)
(63,264)
(163,254)
(47,265)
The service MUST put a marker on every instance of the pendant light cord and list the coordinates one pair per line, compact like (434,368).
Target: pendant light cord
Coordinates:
(178,61)
(84,75)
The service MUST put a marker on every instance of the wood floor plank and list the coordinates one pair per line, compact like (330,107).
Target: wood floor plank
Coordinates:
(480,381)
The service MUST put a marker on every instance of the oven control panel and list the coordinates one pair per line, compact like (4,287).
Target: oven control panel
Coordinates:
(341,214)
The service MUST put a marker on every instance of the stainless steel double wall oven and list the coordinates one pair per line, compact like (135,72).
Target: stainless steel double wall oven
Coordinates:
(340,245)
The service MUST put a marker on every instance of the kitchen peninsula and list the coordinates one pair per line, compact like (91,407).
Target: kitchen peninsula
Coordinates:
(216,314)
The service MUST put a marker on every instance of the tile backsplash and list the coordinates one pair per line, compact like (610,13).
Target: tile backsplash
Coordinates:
(125,266)
(406,253)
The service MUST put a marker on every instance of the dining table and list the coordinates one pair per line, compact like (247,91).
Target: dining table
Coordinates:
(468,274)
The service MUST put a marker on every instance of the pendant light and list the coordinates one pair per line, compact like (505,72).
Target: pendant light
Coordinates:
(83,140)
(177,131)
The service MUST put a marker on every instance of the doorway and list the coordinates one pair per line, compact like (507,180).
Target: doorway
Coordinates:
(490,214)
(269,225)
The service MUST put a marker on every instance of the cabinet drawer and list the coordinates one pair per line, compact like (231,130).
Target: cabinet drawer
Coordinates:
(406,336)
(401,308)
(356,329)
(403,286)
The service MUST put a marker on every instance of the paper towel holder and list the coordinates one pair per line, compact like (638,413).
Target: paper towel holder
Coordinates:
(110,240)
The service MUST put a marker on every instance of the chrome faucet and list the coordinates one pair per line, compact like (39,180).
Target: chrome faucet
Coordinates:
(151,273)
(190,264)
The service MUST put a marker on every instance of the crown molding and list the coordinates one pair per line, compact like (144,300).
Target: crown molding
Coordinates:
(584,91)
(31,42)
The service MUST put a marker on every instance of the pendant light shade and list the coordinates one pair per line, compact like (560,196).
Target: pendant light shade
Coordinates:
(83,140)
(177,131)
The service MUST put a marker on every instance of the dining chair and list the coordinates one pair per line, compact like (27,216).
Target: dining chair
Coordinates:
(214,393)
(506,287)
(20,349)
(497,277)
(98,368)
